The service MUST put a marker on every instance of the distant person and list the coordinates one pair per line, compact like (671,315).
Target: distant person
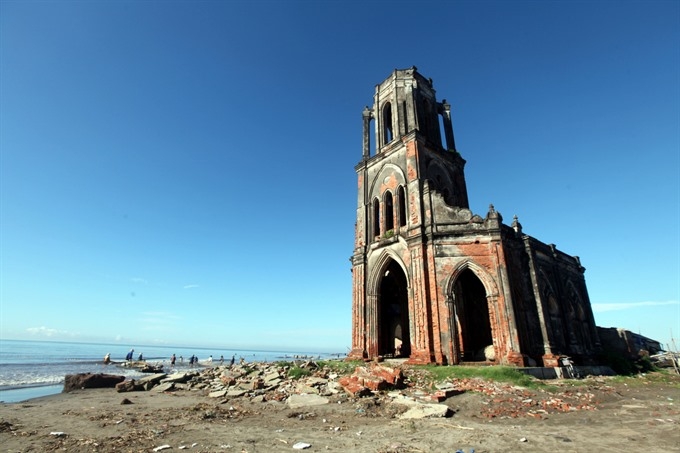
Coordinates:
(210,359)
(233,359)
(128,357)
(181,359)
(141,357)
(107,359)
(172,360)
(221,360)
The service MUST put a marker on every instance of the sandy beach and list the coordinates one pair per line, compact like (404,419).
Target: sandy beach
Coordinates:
(595,414)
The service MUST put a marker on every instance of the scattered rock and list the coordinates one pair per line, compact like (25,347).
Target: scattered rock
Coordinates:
(165,387)
(425,411)
(218,393)
(90,381)
(127,386)
(303,400)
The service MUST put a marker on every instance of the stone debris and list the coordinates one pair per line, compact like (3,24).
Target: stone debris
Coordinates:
(305,399)
(377,389)
(90,381)
(301,446)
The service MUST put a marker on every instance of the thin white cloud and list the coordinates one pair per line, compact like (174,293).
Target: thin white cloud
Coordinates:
(601,308)
(139,280)
(190,286)
(158,320)
(43,331)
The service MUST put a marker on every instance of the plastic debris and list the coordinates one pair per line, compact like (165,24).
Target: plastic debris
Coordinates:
(58,434)
(162,447)
(301,446)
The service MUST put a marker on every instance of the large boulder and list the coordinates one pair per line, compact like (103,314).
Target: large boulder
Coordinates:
(90,381)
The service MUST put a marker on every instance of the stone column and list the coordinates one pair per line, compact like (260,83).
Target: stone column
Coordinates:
(358,312)
(452,347)
(448,125)
(372,325)
(367,116)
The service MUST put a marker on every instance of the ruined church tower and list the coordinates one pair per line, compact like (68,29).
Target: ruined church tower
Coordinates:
(433,282)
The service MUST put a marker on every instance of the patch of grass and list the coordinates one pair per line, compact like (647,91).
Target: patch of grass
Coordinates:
(296,372)
(492,373)
(663,376)
(340,366)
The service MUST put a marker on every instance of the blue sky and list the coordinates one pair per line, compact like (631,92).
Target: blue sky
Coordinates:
(183,172)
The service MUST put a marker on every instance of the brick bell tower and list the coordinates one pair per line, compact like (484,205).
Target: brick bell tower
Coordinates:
(391,264)
(431,281)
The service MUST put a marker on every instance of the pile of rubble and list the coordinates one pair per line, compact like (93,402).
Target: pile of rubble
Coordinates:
(377,385)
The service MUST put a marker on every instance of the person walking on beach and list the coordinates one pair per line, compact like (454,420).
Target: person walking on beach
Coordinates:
(221,360)
(141,357)
(233,359)
(107,358)
(172,360)
(128,357)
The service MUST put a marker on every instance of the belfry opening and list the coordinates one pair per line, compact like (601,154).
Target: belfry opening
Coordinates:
(431,280)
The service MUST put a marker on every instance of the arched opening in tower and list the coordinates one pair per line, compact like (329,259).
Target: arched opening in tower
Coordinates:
(393,329)
(472,310)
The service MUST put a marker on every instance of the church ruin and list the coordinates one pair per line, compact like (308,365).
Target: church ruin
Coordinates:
(432,281)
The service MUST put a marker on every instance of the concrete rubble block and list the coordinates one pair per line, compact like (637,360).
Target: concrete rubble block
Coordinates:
(165,387)
(423,410)
(235,393)
(218,394)
(127,386)
(333,387)
(304,388)
(272,376)
(152,379)
(295,401)
(177,377)
(315,381)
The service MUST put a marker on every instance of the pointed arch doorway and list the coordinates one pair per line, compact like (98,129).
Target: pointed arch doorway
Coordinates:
(472,313)
(393,328)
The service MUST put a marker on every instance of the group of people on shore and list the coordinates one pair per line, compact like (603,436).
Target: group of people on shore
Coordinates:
(193,360)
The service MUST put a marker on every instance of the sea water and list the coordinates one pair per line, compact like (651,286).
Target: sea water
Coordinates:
(29,369)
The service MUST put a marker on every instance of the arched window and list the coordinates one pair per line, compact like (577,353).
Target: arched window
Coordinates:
(388,133)
(401,204)
(376,217)
(389,211)
(425,127)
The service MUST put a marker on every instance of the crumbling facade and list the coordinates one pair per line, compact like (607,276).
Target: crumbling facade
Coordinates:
(434,282)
